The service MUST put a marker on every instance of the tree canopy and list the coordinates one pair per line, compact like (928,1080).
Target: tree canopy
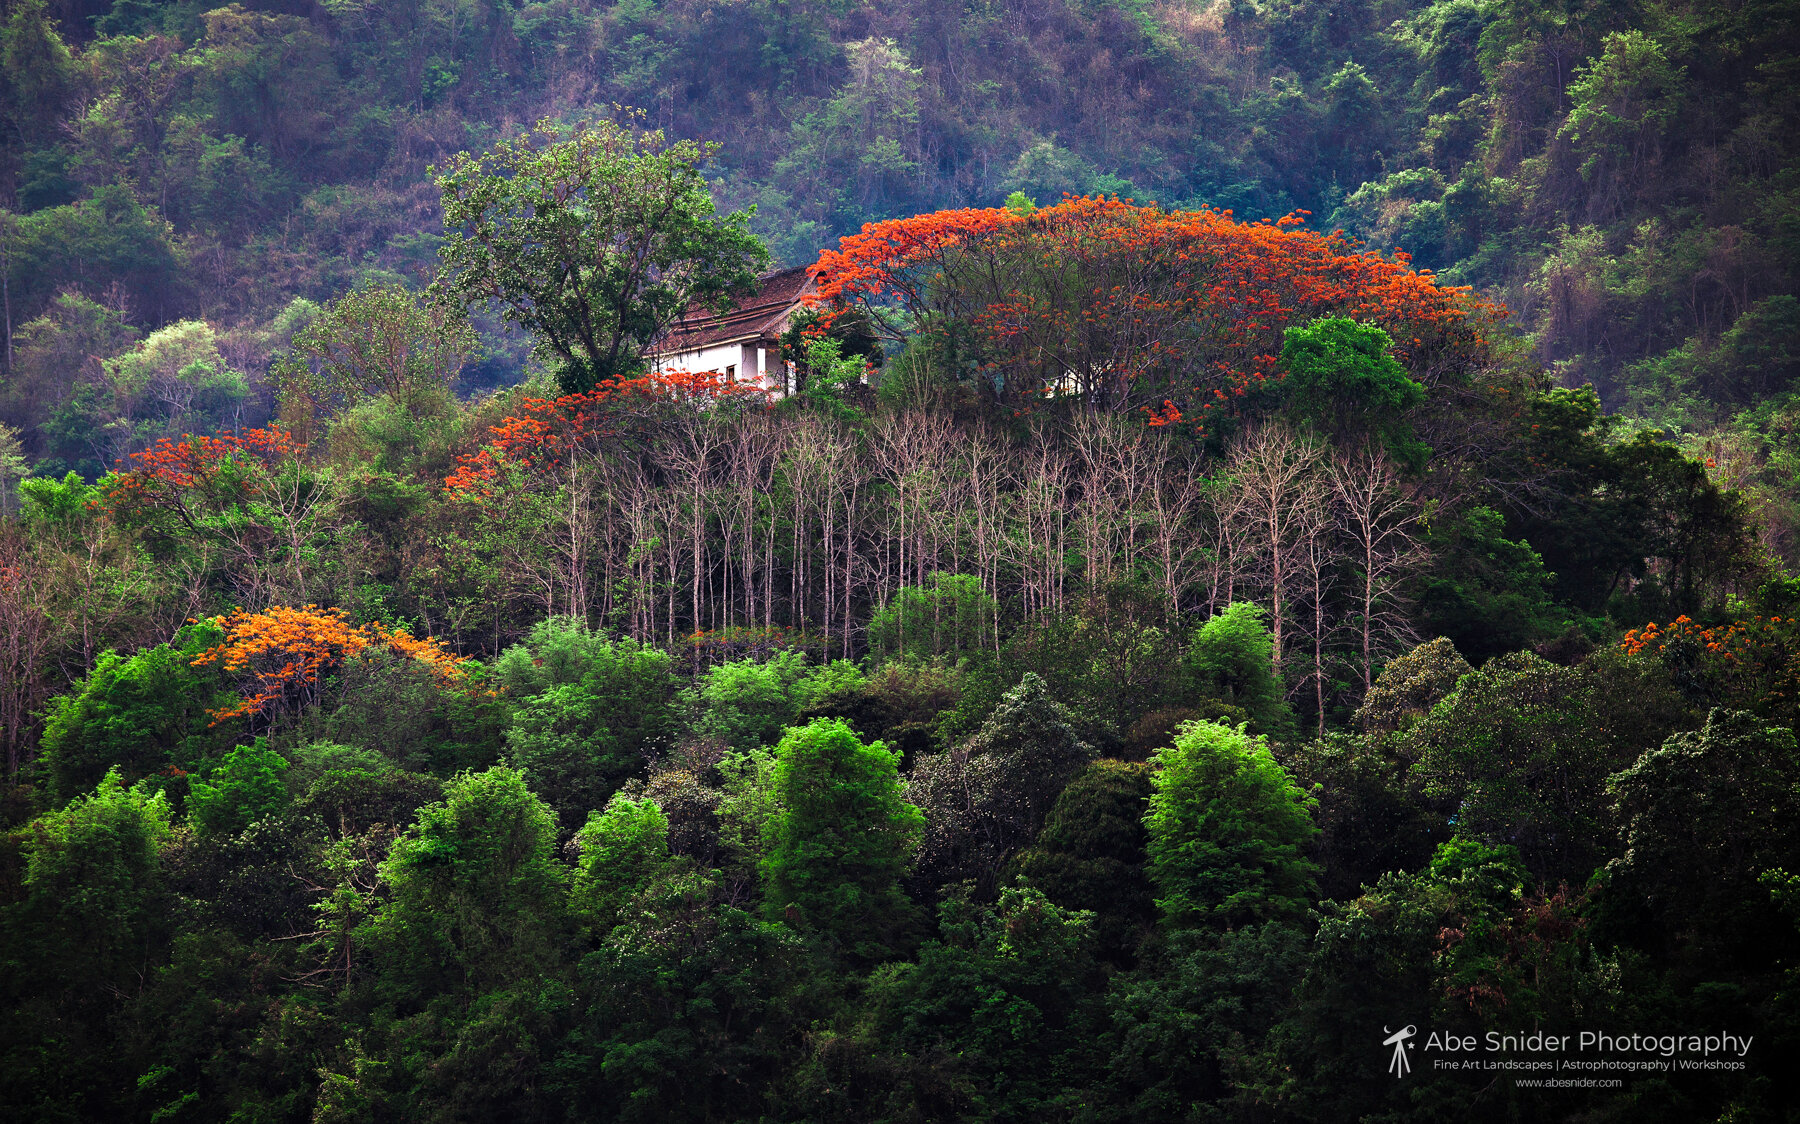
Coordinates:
(595,239)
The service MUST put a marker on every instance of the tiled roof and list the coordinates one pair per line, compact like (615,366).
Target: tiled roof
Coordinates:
(758,315)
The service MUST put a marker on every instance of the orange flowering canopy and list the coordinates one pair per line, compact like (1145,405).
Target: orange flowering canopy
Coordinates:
(281,655)
(547,432)
(1752,664)
(193,475)
(1176,313)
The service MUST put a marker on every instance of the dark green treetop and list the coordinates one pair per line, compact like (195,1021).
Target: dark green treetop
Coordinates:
(595,238)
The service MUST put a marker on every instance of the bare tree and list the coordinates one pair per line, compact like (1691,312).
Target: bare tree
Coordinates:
(1376,518)
(688,455)
(1039,537)
(1282,494)
(1176,499)
(1317,555)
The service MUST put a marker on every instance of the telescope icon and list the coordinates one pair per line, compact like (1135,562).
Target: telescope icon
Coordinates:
(1399,1067)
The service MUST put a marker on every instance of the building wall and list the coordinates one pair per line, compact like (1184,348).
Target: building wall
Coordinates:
(748,363)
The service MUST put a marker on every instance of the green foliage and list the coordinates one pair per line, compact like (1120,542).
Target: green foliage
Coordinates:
(1232,657)
(748,703)
(1491,594)
(173,382)
(987,797)
(139,714)
(1410,685)
(37,68)
(1184,1036)
(1371,815)
(686,1008)
(476,898)
(903,704)
(1622,177)
(1003,1005)
(244,788)
(93,880)
(1520,753)
(1704,818)
(89,911)
(12,469)
(1103,663)
(623,848)
(1228,832)
(1755,360)
(1045,172)
(55,355)
(1622,103)
(840,841)
(1091,853)
(418,722)
(558,738)
(859,154)
(109,235)
(829,377)
(1370,955)
(381,341)
(587,712)
(1634,513)
(594,239)
(356,790)
(1340,379)
(953,617)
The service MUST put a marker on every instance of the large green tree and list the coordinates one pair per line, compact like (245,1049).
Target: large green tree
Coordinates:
(841,840)
(476,896)
(1704,819)
(594,238)
(1228,831)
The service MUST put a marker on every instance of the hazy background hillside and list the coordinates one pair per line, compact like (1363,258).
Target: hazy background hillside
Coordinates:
(1621,175)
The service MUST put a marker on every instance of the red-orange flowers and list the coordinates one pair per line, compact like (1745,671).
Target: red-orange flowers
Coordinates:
(1136,307)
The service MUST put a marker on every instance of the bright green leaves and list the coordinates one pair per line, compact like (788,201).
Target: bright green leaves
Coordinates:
(138,714)
(586,711)
(1233,659)
(1340,379)
(1228,831)
(1623,101)
(245,787)
(92,880)
(748,703)
(623,848)
(476,893)
(840,841)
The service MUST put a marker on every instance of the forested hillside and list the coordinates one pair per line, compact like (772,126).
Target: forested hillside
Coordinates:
(1621,176)
(1281,548)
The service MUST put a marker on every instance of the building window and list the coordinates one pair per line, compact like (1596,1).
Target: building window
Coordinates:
(731,373)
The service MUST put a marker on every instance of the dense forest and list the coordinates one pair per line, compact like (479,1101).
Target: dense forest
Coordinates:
(1280,552)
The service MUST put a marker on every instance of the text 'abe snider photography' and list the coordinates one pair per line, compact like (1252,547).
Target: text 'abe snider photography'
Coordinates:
(1540,1051)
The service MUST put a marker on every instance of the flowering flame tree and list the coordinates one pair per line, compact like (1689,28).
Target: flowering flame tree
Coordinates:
(1174,313)
(281,656)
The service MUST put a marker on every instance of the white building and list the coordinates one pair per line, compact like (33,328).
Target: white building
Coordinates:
(744,342)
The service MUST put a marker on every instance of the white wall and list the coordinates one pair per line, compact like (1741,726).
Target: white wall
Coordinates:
(754,365)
